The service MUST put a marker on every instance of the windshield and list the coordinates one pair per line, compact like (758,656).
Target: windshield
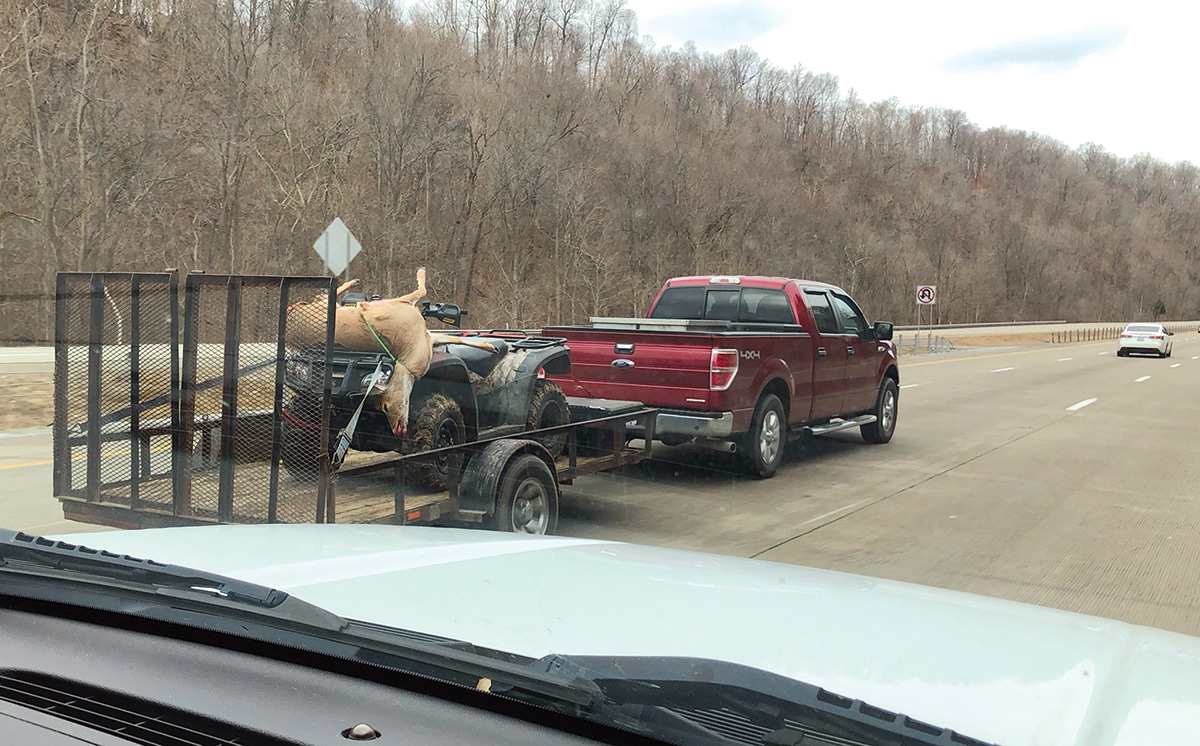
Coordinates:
(903,294)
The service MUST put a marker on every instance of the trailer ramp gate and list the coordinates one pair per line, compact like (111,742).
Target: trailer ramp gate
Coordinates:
(169,394)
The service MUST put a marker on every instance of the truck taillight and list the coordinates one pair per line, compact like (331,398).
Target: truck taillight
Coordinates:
(722,369)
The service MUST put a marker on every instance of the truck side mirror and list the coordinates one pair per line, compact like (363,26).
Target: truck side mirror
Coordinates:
(882,330)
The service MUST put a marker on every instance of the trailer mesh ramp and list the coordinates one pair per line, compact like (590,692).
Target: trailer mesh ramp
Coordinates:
(170,397)
(116,367)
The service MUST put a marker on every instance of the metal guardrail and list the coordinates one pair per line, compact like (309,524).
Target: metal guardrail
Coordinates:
(972,326)
(1107,332)
(923,344)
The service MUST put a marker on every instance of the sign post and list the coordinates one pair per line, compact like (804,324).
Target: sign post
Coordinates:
(337,246)
(926,298)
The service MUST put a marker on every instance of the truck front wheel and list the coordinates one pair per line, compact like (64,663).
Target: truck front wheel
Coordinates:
(887,405)
(761,449)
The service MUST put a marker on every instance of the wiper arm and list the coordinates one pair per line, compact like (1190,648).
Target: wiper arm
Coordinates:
(34,555)
(698,700)
(33,558)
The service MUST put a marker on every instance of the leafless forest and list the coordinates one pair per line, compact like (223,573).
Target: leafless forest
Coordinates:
(544,162)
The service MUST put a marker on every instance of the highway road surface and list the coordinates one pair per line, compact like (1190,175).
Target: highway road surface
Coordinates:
(1059,475)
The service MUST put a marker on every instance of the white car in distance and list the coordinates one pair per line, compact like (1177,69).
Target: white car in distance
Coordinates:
(1147,338)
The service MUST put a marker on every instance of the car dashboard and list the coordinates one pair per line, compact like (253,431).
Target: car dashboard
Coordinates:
(71,681)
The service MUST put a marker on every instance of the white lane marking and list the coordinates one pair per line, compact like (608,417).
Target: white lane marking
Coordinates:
(25,433)
(1080,405)
(910,385)
(1176,365)
(1001,370)
(1103,353)
(1143,378)
(1063,359)
(1196,357)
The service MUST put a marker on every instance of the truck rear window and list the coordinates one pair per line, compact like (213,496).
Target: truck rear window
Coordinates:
(748,305)
(680,303)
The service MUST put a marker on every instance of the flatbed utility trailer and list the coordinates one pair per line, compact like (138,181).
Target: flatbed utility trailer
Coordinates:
(169,411)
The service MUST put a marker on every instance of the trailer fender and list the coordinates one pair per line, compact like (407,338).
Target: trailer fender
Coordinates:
(481,478)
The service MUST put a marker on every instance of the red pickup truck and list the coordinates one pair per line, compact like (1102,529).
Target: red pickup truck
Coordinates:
(741,363)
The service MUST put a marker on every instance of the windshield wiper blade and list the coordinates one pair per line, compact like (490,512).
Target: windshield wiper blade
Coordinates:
(36,555)
(35,559)
(696,700)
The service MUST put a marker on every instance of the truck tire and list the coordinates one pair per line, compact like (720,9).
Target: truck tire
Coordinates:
(760,451)
(887,405)
(548,408)
(436,422)
(527,497)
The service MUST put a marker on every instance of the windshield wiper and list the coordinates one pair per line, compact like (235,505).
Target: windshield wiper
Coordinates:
(37,556)
(696,700)
(45,569)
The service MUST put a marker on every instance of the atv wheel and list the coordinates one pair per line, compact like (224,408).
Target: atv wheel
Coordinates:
(436,422)
(300,438)
(548,408)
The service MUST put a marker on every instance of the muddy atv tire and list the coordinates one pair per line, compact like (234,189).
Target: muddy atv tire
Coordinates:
(300,439)
(548,408)
(436,422)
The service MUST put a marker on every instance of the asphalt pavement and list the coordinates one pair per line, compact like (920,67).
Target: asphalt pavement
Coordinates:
(1059,475)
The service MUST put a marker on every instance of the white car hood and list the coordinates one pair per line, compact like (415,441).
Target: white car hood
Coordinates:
(991,669)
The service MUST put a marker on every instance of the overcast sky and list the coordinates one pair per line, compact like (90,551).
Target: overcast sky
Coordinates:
(1123,75)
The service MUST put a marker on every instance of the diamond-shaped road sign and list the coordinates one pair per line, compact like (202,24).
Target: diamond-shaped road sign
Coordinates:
(337,246)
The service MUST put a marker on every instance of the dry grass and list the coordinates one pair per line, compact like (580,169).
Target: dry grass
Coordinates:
(999,340)
(27,399)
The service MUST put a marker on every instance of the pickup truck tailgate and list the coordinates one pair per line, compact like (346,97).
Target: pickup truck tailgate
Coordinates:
(658,369)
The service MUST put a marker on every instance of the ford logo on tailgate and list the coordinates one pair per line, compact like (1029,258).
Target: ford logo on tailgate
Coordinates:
(622,364)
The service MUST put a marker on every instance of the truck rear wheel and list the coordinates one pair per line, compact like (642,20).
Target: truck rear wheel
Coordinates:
(436,422)
(548,408)
(887,405)
(527,497)
(761,450)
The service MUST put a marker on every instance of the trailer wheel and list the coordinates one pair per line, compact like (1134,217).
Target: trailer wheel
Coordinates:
(436,422)
(527,497)
(548,408)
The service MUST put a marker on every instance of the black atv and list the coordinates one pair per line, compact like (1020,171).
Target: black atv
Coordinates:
(467,395)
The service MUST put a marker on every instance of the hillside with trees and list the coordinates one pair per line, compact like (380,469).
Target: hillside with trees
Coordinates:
(544,162)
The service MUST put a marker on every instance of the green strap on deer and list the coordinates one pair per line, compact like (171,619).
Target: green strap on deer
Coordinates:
(374,333)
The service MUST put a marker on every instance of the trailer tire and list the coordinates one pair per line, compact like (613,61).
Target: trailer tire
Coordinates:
(548,408)
(527,497)
(436,422)
(887,406)
(760,451)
